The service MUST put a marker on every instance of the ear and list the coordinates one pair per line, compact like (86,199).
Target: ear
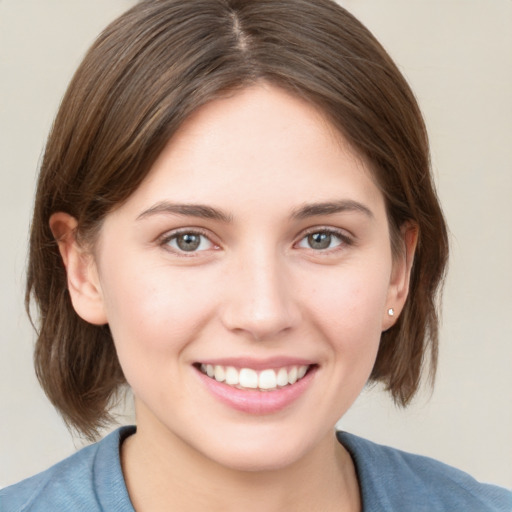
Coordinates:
(401,275)
(82,275)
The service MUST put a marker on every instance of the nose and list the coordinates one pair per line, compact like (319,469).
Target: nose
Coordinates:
(260,299)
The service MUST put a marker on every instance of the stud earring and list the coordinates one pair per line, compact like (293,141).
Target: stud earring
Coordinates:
(391,312)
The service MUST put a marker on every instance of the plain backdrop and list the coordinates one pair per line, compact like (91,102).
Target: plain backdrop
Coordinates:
(457,56)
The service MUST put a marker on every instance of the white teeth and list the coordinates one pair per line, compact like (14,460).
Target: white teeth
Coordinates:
(282,377)
(248,378)
(267,379)
(232,376)
(220,374)
(292,375)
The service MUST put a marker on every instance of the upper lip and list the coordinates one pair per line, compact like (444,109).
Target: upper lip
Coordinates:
(258,364)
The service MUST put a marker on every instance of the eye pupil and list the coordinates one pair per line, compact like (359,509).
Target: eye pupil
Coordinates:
(319,240)
(188,242)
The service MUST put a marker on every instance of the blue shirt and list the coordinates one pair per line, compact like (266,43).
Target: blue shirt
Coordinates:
(391,480)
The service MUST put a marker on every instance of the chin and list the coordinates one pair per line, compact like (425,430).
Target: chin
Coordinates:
(257,461)
(263,450)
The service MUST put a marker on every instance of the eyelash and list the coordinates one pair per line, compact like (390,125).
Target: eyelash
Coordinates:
(165,240)
(345,240)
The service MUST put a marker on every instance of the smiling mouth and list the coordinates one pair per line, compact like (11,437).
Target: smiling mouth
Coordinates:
(248,378)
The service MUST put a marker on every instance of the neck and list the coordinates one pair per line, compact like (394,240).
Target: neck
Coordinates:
(164,473)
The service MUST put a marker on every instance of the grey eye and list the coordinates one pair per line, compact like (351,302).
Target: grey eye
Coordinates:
(189,242)
(319,240)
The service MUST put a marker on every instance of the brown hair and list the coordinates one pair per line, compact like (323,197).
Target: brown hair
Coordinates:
(146,73)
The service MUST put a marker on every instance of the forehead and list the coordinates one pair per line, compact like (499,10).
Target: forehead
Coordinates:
(259,145)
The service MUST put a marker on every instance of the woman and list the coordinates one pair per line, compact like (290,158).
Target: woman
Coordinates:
(235,216)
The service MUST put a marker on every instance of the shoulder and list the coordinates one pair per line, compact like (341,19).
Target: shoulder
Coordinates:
(391,479)
(89,480)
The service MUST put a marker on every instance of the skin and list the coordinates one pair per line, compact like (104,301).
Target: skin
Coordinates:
(255,288)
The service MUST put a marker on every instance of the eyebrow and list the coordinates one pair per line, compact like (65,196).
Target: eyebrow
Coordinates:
(207,212)
(330,208)
(190,210)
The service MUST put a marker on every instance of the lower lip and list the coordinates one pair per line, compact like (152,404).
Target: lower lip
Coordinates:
(253,401)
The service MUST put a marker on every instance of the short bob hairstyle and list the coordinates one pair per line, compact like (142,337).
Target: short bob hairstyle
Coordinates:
(148,72)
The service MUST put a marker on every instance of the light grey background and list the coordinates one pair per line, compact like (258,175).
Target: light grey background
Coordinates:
(458,57)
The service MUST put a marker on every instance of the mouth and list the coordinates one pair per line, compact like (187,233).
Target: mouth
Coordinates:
(257,387)
(268,379)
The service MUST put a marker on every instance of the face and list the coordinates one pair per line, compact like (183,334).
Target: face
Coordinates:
(246,282)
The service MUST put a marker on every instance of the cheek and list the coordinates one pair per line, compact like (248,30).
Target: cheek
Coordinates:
(158,309)
(348,305)
(154,317)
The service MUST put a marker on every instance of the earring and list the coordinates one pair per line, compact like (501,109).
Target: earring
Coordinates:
(391,312)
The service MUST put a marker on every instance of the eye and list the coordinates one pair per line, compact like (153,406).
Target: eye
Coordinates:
(322,240)
(188,241)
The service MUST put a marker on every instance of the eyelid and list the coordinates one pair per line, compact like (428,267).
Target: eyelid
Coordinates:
(342,234)
(164,239)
